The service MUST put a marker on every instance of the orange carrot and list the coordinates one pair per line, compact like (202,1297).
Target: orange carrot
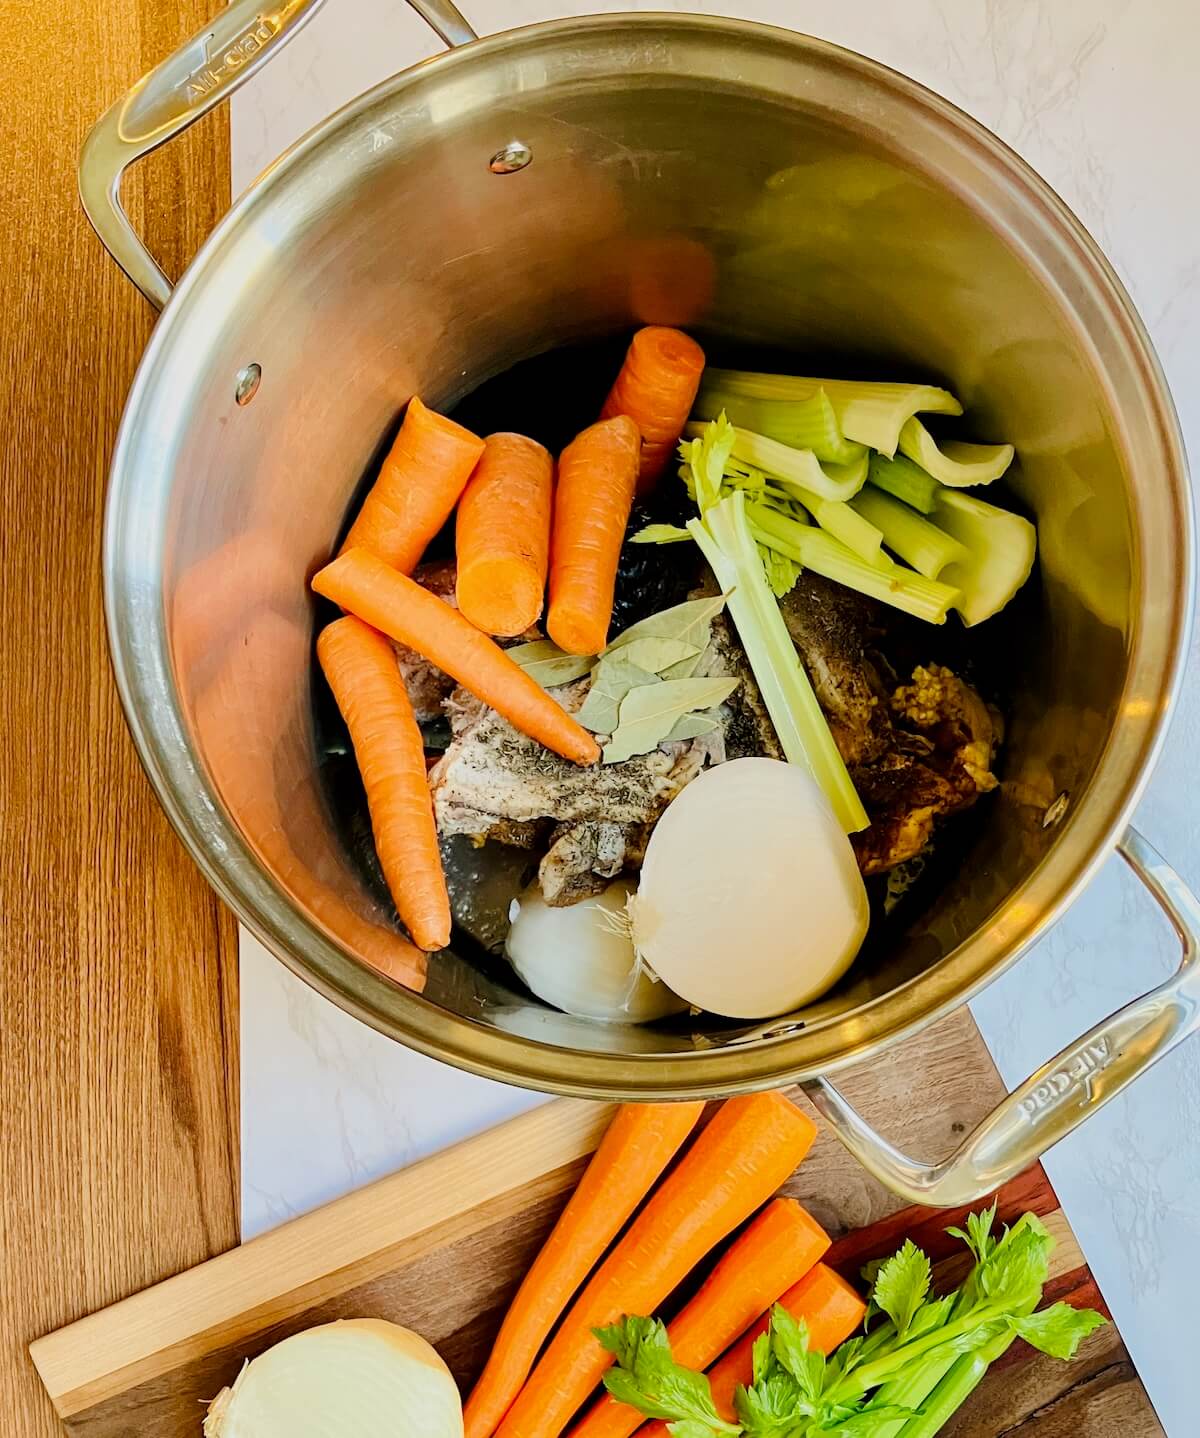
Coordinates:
(656,387)
(503,535)
(639,1143)
(387,600)
(776,1249)
(829,1306)
(256,677)
(597,473)
(418,486)
(738,1161)
(360,666)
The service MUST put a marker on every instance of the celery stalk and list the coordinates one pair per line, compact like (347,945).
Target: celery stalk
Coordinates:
(809,423)
(844,521)
(959,1380)
(873,414)
(797,466)
(918,542)
(954,462)
(904,479)
(725,539)
(1000,551)
(901,588)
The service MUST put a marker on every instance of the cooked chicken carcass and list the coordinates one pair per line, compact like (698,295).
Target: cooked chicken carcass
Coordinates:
(495,783)
(428,686)
(916,754)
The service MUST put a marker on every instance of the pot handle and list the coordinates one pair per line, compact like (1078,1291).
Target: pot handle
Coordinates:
(204,71)
(1052,1102)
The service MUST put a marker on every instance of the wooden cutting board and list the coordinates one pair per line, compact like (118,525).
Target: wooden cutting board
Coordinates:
(441,1245)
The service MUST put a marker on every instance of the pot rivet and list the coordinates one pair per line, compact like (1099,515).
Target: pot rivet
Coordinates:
(248,381)
(1055,810)
(512,157)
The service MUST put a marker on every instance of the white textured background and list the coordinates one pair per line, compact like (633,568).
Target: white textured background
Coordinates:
(1100,96)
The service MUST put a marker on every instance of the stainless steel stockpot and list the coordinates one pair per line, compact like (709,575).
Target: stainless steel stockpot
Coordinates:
(560,183)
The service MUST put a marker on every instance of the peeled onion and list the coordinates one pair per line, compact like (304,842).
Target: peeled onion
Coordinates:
(360,1378)
(581,958)
(750,902)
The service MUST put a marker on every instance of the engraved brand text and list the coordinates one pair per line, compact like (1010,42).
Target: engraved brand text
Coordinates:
(1075,1076)
(217,69)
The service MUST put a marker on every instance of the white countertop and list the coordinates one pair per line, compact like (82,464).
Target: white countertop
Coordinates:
(1098,96)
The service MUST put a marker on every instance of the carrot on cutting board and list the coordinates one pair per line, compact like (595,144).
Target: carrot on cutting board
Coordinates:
(502,537)
(418,486)
(360,666)
(362,584)
(637,1146)
(778,1247)
(597,473)
(656,388)
(736,1164)
(829,1306)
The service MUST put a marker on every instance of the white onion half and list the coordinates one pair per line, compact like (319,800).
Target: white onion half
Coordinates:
(360,1378)
(581,958)
(750,902)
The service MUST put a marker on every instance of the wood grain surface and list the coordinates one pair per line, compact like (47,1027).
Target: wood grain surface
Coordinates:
(118,1071)
(440,1246)
(118,1064)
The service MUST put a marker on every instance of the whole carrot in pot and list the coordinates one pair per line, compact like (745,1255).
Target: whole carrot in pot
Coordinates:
(736,1164)
(362,584)
(502,537)
(597,473)
(360,666)
(656,388)
(639,1143)
(776,1249)
(419,484)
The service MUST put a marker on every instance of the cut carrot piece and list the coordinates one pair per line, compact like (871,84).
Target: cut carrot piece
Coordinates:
(736,1164)
(360,666)
(597,473)
(503,535)
(656,388)
(638,1145)
(829,1306)
(778,1248)
(418,486)
(362,584)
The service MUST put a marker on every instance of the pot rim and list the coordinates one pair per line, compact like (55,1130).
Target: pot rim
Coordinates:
(828,1045)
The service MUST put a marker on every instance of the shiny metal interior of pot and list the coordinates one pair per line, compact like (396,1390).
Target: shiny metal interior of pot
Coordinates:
(764,193)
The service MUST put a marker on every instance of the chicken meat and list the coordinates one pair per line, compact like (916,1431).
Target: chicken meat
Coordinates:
(493,782)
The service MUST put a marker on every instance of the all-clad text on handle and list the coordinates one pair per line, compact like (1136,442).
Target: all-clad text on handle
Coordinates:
(1062,1093)
(204,71)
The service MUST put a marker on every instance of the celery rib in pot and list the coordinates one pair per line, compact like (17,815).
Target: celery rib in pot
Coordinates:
(794,466)
(954,462)
(904,480)
(808,423)
(914,538)
(725,539)
(1000,546)
(869,413)
(902,588)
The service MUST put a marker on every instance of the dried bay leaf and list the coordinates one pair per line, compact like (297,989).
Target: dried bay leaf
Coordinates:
(689,622)
(656,654)
(544,661)
(612,679)
(650,712)
(692,726)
